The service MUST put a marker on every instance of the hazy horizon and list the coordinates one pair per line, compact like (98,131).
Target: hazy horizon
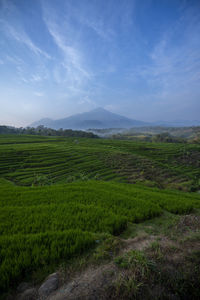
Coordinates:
(139,59)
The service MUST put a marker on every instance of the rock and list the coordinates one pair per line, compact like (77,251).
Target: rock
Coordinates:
(50,285)
(30,294)
(23,287)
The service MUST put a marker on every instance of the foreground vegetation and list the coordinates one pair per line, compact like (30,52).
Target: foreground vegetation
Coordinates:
(43,225)
(57,198)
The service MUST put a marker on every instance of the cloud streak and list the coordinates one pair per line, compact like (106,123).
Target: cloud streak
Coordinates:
(75,73)
(22,37)
(17,32)
(174,67)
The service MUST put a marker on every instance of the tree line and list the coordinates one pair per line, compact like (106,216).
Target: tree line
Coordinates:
(42,130)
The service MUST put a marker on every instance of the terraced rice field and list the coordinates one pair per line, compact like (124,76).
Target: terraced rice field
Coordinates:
(24,160)
(57,198)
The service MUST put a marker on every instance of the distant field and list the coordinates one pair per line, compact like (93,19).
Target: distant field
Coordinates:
(27,160)
(57,198)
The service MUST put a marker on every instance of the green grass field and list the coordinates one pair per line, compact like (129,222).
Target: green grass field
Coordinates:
(26,160)
(59,196)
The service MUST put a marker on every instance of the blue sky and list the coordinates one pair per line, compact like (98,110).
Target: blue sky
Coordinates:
(138,58)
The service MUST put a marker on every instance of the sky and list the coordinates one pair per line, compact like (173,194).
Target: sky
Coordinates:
(137,58)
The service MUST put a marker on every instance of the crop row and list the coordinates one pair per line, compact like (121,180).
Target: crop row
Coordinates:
(41,225)
(21,161)
(21,254)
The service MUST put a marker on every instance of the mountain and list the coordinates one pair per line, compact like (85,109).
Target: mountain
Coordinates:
(98,118)
(46,122)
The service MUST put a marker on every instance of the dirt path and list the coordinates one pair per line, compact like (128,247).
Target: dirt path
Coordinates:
(176,266)
(93,283)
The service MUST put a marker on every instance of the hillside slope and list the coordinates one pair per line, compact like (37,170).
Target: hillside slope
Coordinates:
(97,118)
(33,160)
(63,197)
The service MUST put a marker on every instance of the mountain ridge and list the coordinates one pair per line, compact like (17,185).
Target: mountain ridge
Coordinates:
(100,118)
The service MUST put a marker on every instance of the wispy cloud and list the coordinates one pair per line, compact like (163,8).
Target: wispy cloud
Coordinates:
(104,19)
(71,68)
(36,78)
(72,57)
(16,31)
(26,63)
(99,27)
(174,66)
(37,73)
(87,100)
(39,94)
(21,37)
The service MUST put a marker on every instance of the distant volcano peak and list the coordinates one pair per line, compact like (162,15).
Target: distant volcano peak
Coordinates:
(99,109)
(98,118)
